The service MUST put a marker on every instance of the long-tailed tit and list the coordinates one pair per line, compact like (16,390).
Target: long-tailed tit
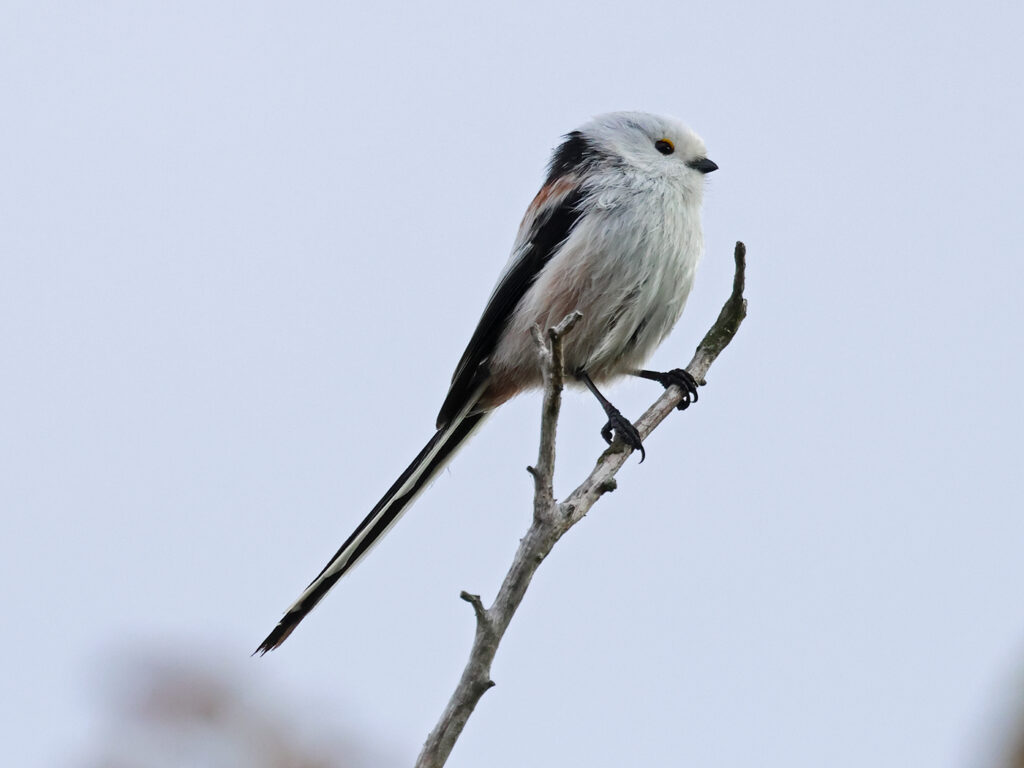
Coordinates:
(614,232)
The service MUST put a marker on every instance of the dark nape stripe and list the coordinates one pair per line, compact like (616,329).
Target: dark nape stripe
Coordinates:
(568,156)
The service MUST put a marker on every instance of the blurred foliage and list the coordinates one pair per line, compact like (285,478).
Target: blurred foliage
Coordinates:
(166,712)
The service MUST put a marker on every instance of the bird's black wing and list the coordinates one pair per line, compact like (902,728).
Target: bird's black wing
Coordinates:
(552,224)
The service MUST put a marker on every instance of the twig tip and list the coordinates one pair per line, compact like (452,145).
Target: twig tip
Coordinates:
(566,325)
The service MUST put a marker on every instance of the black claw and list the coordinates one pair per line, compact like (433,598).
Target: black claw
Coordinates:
(618,425)
(680,378)
(623,428)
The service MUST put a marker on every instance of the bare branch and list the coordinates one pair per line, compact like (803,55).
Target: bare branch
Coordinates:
(550,519)
(549,354)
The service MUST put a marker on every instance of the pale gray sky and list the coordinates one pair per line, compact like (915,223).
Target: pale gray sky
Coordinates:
(243,246)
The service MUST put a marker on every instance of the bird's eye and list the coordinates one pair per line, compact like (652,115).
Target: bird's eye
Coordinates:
(665,146)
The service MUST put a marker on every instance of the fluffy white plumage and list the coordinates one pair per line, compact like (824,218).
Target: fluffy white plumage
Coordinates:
(628,264)
(614,232)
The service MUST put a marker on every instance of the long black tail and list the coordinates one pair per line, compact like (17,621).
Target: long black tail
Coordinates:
(434,456)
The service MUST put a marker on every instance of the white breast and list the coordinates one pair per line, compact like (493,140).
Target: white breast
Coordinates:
(628,266)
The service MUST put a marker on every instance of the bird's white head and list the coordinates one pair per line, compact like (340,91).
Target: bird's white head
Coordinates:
(650,144)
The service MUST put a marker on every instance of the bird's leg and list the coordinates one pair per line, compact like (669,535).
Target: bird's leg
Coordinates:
(678,376)
(617,423)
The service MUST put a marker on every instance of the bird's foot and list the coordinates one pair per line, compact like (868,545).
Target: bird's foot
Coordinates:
(621,427)
(680,378)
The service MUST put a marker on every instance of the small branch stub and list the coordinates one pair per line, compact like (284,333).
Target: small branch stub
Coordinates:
(478,607)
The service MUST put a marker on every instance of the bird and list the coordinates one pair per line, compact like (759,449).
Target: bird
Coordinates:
(614,233)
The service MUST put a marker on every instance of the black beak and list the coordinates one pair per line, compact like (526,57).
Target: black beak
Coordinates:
(703,165)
